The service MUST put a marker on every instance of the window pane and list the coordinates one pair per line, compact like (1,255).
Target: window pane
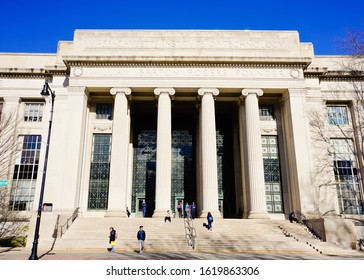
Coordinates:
(25,173)
(337,115)
(272,176)
(99,173)
(103,111)
(33,112)
(346,177)
(266,112)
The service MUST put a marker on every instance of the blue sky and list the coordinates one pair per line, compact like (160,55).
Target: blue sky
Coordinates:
(37,26)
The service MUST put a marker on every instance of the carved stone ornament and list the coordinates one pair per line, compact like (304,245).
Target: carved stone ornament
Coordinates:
(126,91)
(202,91)
(102,128)
(295,73)
(170,91)
(245,92)
(78,72)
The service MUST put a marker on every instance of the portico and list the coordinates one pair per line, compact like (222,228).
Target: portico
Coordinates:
(185,121)
(181,171)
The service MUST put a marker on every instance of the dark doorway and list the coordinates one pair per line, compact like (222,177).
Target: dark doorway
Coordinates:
(144,127)
(183,153)
(225,112)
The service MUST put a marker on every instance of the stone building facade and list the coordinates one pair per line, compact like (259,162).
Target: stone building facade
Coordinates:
(246,124)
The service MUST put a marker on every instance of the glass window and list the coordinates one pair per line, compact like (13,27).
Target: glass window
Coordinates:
(272,174)
(25,173)
(346,177)
(100,171)
(103,111)
(266,112)
(337,114)
(33,112)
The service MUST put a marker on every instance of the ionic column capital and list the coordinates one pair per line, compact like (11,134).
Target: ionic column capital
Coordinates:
(213,91)
(115,91)
(258,91)
(159,91)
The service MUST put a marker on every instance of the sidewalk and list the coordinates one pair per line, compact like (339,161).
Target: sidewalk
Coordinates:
(120,254)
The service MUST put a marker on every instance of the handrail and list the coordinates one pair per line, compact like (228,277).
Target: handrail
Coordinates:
(69,222)
(190,232)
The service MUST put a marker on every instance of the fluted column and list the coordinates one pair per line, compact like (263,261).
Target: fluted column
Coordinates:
(164,152)
(255,155)
(209,152)
(119,153)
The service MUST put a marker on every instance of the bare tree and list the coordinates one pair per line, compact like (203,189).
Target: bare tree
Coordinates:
(354,68)
(351,74)
(11,224)
(353,43)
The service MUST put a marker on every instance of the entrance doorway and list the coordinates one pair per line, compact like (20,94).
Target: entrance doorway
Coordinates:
(183,154)
(225,113)
(144,123)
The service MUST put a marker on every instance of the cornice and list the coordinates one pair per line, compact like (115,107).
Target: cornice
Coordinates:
(190,62)
(323,74)
(33,73)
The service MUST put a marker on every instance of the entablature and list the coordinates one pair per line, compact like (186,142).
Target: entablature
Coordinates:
(185,61)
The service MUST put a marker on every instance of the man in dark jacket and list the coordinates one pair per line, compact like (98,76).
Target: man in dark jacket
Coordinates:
(112,239)
(292,217)
(141,237)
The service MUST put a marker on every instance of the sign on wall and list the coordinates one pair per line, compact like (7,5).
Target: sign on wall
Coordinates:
(3,183)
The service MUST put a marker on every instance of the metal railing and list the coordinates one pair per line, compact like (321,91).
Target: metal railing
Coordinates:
(190,232)
(62,229)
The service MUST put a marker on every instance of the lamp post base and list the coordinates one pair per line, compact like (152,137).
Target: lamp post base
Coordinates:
(33,254)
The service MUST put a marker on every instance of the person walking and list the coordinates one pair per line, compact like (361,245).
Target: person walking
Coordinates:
(187,210)
(193,209)
(144,208)
(179,209)
(141,238)
(112,239)
(210,219)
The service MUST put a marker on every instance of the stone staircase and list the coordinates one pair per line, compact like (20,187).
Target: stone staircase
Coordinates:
(237,235)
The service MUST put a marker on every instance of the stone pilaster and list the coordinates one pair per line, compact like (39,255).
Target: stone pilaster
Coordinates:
(255,155)
(209,152)
(119,153)
(75,141)
(302,194)
(164,152)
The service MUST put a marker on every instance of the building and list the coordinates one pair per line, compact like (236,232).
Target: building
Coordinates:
(224,119)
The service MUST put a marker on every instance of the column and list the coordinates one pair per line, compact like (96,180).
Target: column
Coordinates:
(301,186)
(258,206)
(77,111)
(208,152)
(164,152)
(119,153)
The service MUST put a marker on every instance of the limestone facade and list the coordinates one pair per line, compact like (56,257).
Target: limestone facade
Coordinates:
(246,99)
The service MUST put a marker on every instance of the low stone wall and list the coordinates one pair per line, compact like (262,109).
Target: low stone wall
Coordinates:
(341,231)
(317,227)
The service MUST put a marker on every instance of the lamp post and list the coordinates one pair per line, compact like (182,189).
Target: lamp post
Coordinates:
(45,92)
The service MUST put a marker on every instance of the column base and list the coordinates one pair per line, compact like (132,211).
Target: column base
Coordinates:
(258,215)
(120,214)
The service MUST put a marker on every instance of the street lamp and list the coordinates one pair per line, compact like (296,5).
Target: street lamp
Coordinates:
(45,92)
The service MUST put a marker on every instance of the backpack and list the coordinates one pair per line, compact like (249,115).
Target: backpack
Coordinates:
(210,219)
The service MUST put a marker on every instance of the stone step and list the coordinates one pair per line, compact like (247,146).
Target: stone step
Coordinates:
(227,234)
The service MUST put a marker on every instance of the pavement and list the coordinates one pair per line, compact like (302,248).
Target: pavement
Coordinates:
(123,254)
